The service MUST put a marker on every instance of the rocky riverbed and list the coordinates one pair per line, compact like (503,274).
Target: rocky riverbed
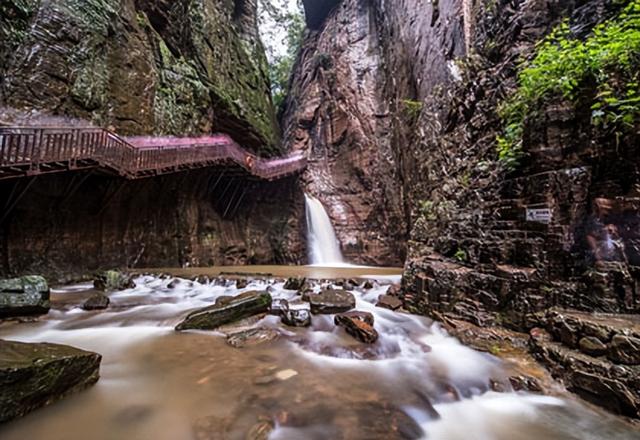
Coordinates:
(259,376)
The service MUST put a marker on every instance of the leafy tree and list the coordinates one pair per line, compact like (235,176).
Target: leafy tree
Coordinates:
(283,30)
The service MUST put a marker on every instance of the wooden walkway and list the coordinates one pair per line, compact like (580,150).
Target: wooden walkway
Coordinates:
(31,151)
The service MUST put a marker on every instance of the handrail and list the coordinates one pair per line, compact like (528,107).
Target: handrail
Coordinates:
(134,157)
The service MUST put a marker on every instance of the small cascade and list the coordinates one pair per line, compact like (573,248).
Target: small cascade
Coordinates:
(324,248)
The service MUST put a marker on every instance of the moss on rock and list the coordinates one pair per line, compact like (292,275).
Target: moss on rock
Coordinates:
(34,375)
(179,68)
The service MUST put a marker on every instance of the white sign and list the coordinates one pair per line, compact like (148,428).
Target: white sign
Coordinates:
(539,215)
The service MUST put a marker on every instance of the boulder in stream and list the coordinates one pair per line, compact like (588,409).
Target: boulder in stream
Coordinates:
(331,301)
(295,283)
(28,295)
(242,283)
(112,280)
(224,312)
(34,375)
(359,325)
(174,283)
(297,318)
(389,302)
(98,301)
(279,307)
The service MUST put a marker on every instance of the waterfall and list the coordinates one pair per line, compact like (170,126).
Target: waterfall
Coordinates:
(324,248)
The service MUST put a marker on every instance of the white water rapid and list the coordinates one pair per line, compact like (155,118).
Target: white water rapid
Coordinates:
(315,383)
(324,248)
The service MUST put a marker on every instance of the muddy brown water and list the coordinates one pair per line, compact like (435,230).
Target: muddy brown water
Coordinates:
(315,383)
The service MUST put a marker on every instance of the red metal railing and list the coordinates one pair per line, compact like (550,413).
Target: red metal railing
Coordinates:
(35,150)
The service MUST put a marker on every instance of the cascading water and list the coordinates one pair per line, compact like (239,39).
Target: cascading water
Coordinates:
(324,248)
(314,383)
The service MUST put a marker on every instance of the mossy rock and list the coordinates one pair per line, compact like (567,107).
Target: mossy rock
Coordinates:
(28,295)
(228,311)
(35,375)
(112,280)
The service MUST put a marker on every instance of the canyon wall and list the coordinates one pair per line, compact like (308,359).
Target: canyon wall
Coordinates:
(397,104)
(139,66)
(201,218)
(185,67)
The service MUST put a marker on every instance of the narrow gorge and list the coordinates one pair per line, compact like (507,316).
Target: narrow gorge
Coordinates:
(320,219)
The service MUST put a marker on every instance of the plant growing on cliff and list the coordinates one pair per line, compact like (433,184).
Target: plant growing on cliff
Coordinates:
(461,255)
(603,67)
(411,109)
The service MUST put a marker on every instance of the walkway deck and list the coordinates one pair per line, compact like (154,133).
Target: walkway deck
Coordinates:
(30,151)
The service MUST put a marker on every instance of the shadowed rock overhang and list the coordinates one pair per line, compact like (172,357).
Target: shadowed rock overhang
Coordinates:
(317,11)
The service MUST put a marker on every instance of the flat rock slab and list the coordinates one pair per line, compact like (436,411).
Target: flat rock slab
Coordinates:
(252,337)
(389,302)
(28,295)
(332,301)
(227,311)
(34,375)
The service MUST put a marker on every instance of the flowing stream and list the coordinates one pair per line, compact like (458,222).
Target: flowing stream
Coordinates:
(324,247)
(311,383)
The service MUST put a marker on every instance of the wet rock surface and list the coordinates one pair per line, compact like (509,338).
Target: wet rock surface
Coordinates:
(279,307)
(99,301)
(28,295)
(113,280)
(227,311)
(359,325)
(252,337)
(297,318)
(295,283)
(35,375)
(389,302)
(331,301)
(595,355)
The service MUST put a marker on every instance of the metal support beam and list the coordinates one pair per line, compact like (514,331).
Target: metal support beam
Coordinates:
(235,208)
(215,185)
(233,196)
(12,204)
(224,193)
(73,187)
(108,198)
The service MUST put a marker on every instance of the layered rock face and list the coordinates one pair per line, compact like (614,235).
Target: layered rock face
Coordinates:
(142,67)
(338,116)
(597,356)
(397,107)
(413,87)
(494,247)
(199,218)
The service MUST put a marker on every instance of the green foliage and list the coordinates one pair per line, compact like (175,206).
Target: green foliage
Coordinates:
(427,210)
(461,255)
(141,19)
(606,62)
(411,109)
(281,65)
